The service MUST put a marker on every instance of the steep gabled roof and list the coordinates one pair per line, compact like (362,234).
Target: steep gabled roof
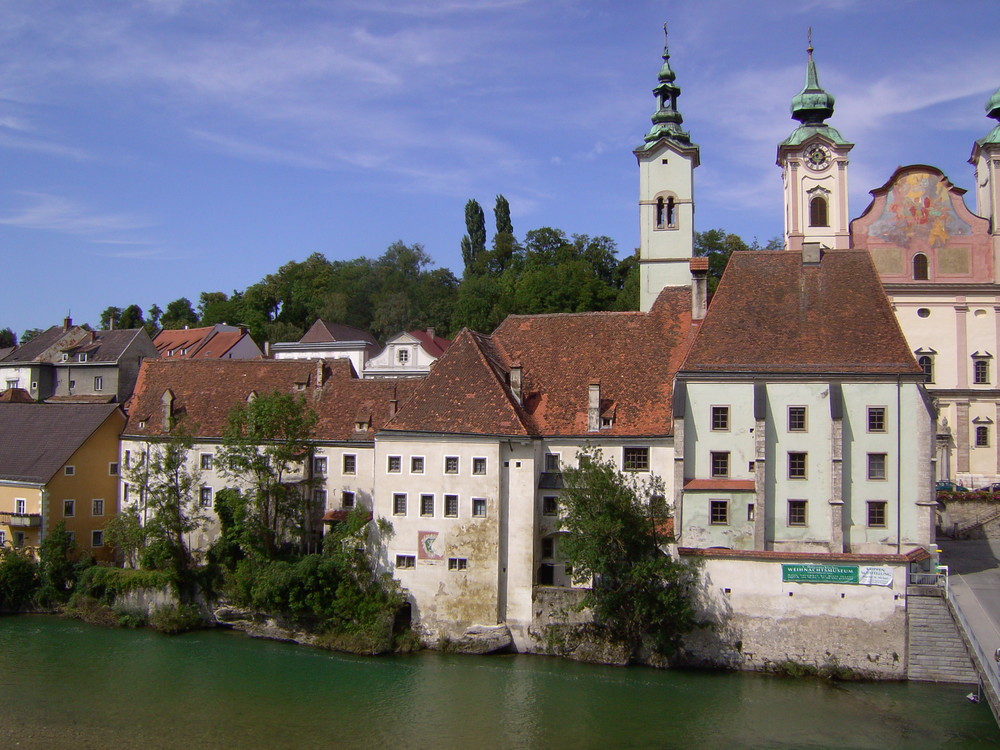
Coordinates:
(632,355)
(105,346)
(31,350)
(465,393)
(206,390)
(322,332)
(773,313)
(433,344)
(207,342)
(37,439)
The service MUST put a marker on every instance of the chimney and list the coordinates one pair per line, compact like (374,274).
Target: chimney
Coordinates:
(393,404)
(319,371)
(93,336)
(430,332)
(168,409)
(267,350)
(111,322)
(67,323)
(699,287)
(594,406)
(515,382)
(812,253)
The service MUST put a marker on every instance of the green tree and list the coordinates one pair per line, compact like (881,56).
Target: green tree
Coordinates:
(474,241)
(153,322)
(110,316)
(614,539)
(179,314)
(7,338)
(131,318)
(168,485)
(57,571)
(125,534)
(264,442)
(18,578)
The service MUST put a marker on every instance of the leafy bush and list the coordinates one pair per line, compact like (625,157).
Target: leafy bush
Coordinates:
(174,619)
(89,609)
(56,568)
(104,584)
(18,578)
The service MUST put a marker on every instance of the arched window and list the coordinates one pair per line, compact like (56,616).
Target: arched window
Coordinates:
(666,213)
(920,267)
(671,213)
(660,213)
(982,436)
(818,212)
(927,365)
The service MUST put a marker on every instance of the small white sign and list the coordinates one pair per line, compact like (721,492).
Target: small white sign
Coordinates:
(875,575)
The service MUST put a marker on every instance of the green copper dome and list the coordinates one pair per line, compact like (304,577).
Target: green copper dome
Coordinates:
(667,119)
(993,105)
(812,105)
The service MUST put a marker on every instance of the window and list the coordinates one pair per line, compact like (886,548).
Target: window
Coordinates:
(128,459)
(207,461)
(98,383)
(876,513)
(635,459)
(3,537)
(981,371)
(82,357)
(796,419)
(876,419)
(113,468)
(319,499)
(395,465)
(927,365)
(406,561)
(12,384)
(20,506)
(552,462)
(751,512)
(796,512)
(19,538)
(661,213)
(97,507)
(402,356)
(72,384)
(417,465)
(796,465)
(124,492)
(923,312)
(920,269)
(720,464)
(718,512)
(399,504)
(319,465)
(451,464)
(479,466)
(206,497)
(427,505)
(982,436)
(818,212)
(548,547)
(876,465)
(347,499)
(457,563)
(97,538)
(69,470)
(720,418)
(451,506)
(350,463)
(550,505)
(479,507)
(69,508)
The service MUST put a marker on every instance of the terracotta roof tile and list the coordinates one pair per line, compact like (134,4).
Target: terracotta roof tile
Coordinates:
(732,485)
(205,390)
(773,313)
(433,344)
(321,332)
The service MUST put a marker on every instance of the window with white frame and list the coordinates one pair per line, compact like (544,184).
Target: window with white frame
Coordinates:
(350,463)
(320,466)
(458,563)
(451,506)
(97,538)
(479,507)
(20,506)
(552,462)
(347,499)
(417,465)
(796,465)
(427,505)
(796,419)
(98,383)
(451,464)
(97,507)
(720,464)
(797,512)
(69,471)
(402,356)
(876,419)
(207,461)
(720,418)
(113,468)
(3,537)
(406,561)
(877,465)
(478,465)
(394,464)
(399,504)
(206,496)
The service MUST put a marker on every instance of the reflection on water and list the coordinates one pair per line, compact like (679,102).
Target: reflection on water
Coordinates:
(66,684)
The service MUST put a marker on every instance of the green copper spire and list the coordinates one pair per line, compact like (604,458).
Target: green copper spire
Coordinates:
(811,107)
(992,110)
(667,120)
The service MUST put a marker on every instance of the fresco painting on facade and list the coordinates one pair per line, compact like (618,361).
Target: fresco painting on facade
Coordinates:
(919,207)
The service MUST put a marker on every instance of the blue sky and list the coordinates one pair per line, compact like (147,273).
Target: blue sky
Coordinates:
(153,149)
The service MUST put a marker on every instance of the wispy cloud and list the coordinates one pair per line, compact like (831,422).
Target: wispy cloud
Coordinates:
(53,213)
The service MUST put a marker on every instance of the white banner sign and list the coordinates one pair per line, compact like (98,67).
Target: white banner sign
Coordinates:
(875,575)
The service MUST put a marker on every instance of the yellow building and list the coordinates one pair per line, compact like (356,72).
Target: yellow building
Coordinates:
(58,462)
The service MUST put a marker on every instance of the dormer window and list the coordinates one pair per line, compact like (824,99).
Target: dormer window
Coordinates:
(402,356)
(82,357)
(65,357)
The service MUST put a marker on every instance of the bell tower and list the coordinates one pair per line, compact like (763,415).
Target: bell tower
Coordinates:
(813,161)
(667,159)
(986,159)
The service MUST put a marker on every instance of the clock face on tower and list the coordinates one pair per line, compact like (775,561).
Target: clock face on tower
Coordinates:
(817,157)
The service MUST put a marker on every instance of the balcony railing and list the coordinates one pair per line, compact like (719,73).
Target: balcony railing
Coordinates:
(21,520)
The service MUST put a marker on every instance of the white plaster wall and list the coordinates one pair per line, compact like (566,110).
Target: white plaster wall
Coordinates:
(700,440)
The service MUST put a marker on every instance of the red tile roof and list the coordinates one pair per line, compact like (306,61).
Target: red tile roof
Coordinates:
(773,313)
(633,355)
(917,554)
(205,390)
(208,342)
(433,344)
(16,396)
(721,485)
(322,332)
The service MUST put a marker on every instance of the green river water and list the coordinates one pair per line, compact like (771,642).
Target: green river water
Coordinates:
(64,684)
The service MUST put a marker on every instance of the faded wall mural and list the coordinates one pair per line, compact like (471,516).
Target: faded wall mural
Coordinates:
(918,207)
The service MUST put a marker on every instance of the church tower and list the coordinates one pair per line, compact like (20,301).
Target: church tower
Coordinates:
(813,161)
(667,159)
(986,159)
